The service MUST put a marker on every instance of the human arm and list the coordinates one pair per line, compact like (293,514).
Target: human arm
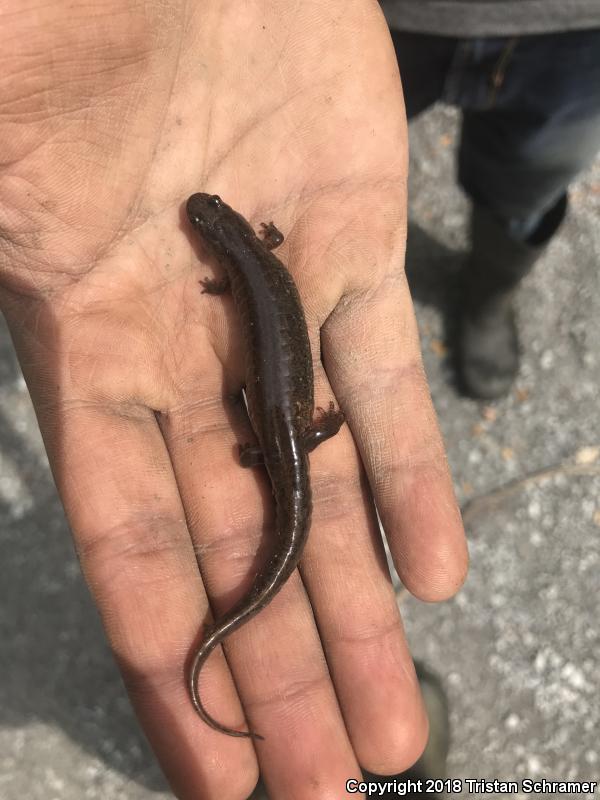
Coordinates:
(111,117)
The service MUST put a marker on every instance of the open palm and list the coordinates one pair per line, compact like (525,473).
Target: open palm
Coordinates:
(292,113)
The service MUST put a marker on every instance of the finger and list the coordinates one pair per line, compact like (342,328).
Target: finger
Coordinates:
(276,657)
(117,484)
(373,360)
(346,575)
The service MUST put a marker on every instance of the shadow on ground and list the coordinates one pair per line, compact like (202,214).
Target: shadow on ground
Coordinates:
(432,271)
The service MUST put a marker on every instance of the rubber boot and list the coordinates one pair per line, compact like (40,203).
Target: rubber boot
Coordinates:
(488,343)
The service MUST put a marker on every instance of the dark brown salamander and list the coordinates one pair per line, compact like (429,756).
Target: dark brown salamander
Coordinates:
(279,395)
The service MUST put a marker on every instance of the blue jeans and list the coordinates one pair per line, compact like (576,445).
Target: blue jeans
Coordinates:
(531,113)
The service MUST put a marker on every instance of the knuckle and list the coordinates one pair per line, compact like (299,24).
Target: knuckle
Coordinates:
(132,546)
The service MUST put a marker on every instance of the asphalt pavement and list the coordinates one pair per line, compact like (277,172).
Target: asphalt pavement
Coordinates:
(518,649)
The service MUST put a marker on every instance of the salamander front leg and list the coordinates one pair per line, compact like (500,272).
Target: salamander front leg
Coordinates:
(324,427)
(272,237)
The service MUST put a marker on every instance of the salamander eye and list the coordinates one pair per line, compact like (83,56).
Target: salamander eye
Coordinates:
(215,201)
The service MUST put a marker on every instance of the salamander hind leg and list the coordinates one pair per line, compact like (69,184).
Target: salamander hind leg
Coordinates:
(326,425)
(272,237)
(251,455)
(214,285)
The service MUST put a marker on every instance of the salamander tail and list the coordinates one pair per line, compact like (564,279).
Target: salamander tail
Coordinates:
(208,645)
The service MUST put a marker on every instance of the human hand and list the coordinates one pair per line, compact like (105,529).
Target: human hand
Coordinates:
(117,113)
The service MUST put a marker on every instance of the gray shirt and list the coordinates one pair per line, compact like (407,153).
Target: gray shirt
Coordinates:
(491,17)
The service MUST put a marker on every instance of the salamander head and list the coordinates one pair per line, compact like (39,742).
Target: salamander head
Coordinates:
(213,219)
(205,210)
(209,214)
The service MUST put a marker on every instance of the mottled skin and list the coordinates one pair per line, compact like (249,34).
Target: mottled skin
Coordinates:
(280,398)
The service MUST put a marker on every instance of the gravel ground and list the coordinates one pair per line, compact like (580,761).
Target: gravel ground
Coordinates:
(518,648)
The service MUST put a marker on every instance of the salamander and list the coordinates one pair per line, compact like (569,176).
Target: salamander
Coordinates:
(279,391)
